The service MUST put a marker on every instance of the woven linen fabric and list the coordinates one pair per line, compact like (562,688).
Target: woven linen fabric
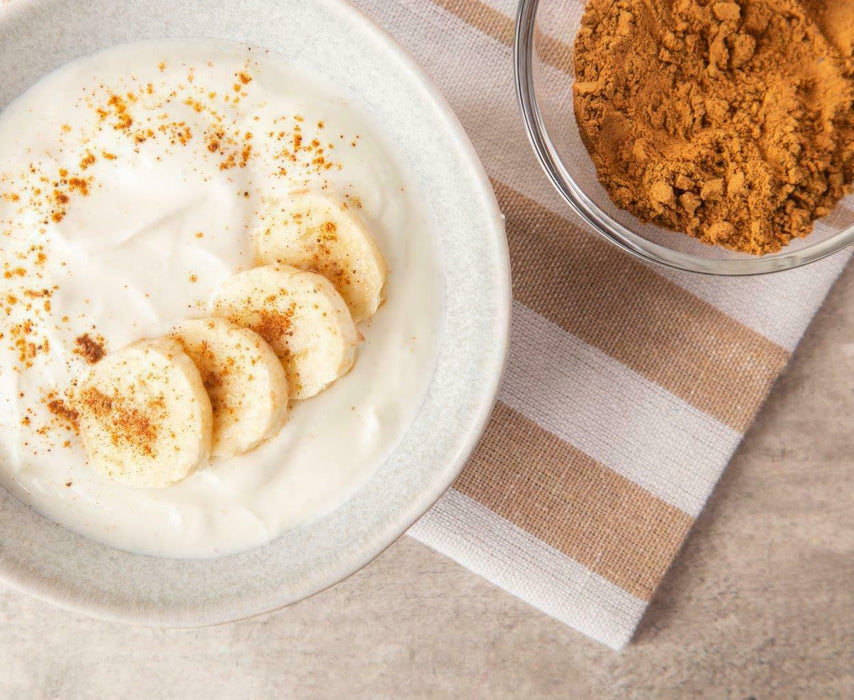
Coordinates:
(628,387)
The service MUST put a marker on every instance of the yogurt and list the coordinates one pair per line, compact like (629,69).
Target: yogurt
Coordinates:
(130,182)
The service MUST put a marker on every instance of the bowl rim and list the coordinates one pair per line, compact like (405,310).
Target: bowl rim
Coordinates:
(491,370)
(597,218)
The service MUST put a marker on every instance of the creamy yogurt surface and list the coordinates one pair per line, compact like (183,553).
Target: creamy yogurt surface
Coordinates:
(130,182)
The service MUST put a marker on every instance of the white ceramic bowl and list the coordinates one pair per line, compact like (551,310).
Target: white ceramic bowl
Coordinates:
(329,38)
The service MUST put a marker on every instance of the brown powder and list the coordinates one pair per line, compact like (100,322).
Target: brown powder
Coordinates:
(730,121)
(89,348)
(272,325)
(118,106)
(27,343)
(323,261)
(212,370)
(78,184)
(87,161)
(67,415)
(124,421)
(214,140)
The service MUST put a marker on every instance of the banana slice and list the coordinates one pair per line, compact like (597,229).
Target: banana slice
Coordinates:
(316,233)
(300,315)
(144,416)
(244,379)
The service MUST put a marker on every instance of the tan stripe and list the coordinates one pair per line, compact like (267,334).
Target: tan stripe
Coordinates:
(571,502)
(619,305)
(482,17)
(500,27)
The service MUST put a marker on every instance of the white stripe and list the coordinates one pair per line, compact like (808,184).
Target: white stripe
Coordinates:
(523,565)
(475,74)
(613,414)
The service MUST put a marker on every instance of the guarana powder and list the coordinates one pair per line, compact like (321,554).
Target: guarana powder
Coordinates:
(729,121)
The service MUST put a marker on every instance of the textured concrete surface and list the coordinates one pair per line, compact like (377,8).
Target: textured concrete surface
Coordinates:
(760,603)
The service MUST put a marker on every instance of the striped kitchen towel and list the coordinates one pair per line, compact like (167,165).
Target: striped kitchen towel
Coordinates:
(628,387)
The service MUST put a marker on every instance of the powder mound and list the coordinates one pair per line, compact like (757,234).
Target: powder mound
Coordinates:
(729,121)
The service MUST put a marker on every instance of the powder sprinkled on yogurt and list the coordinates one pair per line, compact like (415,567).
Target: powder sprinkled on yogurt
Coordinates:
(118,224)
(90,349)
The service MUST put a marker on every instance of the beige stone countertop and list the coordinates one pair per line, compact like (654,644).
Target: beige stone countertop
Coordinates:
(759,604)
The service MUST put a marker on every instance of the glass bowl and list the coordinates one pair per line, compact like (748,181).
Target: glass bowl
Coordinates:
(545,34)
